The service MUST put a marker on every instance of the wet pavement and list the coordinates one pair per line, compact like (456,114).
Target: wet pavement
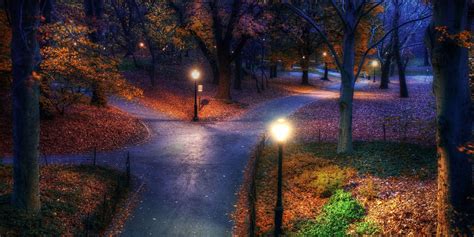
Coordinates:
(191,171)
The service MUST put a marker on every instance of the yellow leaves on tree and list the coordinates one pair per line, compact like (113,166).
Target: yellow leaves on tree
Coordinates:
(463,38)
(72,64)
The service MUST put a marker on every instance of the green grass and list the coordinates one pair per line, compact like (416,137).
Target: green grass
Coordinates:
(383,159)
(338,213)
(65,191)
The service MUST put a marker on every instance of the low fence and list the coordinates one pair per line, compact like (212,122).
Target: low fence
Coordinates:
(252,192)
(106,209)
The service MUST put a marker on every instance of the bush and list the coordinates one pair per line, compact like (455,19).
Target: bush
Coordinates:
(369,190)
(367,228)
(340,211)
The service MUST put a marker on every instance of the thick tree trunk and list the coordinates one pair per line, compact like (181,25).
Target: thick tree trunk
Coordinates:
(26,116)
(238,73)
(385,77)
(344,144)
(451,87)
(225,75)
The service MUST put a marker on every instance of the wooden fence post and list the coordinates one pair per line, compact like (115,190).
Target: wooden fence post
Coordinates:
(95,156)
(127,165)
(384,132)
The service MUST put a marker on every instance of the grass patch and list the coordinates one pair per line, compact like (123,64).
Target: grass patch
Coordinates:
(338,213)
(76,200)
(383,159)
(325,180)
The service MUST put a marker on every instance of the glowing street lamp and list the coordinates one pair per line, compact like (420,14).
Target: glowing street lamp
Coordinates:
(280,131)
(325,77)
(195,75)
(141,45)
(375,64)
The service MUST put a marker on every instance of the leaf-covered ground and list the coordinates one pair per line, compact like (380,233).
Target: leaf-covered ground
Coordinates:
(406,119)
(393,179)
(378,175)
(72,197)
(80,130)
(173,94)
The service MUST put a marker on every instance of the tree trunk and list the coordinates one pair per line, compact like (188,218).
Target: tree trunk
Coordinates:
(344,144)
(48,10)
(273,70)
(396,52)
(451,88)
(225,71)
(385,77)
(426,58)
(238,73)
(99,97)
(305,69)
(94,11)
(26,116)
(392,68)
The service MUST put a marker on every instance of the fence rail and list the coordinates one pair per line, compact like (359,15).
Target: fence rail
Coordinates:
(252,192)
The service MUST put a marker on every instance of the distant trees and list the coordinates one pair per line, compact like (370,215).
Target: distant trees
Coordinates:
(350,14)
(74,65)
(395,49)
(221,30)
(25,16)
(296,44)
(448,40)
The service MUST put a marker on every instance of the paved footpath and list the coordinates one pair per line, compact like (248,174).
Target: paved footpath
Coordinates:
(191,171)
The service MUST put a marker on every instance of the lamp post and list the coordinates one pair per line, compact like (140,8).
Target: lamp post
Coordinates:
(374,65)
(200,89)
(195,74)
(325,78)
(280,130)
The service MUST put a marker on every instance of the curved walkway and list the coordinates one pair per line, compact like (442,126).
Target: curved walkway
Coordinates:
(192,171)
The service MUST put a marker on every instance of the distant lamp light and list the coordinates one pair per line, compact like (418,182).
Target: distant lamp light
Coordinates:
(325,54)
(195,74)
(375,63)
(303,57)
(141,45)
(75,44)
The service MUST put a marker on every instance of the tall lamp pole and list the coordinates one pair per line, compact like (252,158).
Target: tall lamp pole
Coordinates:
(325,78)
(195,74)
(374,65)
(280,130)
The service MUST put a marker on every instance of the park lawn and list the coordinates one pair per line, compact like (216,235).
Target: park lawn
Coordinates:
(393,182)
(72,198)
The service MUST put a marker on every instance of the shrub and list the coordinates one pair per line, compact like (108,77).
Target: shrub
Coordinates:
(369,190)
(340,211)
(367,228)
